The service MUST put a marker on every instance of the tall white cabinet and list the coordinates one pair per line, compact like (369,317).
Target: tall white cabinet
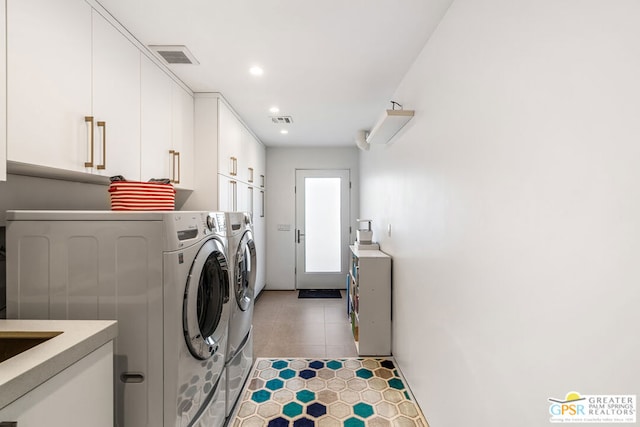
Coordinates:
(230,166)
(83,96)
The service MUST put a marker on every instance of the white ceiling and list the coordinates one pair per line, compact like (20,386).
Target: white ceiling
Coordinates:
(333,65)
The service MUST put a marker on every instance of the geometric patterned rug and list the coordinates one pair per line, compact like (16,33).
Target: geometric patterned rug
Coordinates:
(352,392)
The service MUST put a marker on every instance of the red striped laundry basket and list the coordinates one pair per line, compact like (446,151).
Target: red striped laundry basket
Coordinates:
(142,196)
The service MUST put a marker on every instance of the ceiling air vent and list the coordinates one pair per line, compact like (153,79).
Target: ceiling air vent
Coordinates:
(282,120)
(175,54)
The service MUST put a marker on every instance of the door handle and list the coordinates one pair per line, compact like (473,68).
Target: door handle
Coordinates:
(299,235)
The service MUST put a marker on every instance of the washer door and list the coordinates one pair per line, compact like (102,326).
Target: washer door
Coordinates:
(204,310)
(245,271)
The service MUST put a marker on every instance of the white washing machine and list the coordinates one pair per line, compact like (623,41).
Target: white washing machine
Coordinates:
(242,254)
(165,276)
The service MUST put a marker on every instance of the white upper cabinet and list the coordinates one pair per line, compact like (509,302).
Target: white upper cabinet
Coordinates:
(49,82)
(229,141)
(116,102)
(156,116)
(83,97)
(73,89)
(240,155)
(182,137)
(167,128)
(3,92)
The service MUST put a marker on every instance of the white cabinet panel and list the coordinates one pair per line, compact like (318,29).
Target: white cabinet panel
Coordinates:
(156,116)
(259,236)
(227,194)
(229,141)
(3,92)
(48,82)
(116,101)
(182,136)
(79,395)
(167,116)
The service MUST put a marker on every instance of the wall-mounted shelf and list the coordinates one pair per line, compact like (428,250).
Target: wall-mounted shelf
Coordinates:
(388,125)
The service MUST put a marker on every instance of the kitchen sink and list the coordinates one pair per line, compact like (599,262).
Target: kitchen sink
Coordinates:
(14,343)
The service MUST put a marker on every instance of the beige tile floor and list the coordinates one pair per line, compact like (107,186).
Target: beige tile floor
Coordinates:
(285,326)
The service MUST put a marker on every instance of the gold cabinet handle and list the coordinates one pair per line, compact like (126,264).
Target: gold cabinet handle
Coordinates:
(172,159)
(174,154)
(103,125)
(177,155)
(89,119)
(250,174)
(232,166)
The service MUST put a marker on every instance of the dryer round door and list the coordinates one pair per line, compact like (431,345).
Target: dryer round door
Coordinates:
(245,271)
(204,311)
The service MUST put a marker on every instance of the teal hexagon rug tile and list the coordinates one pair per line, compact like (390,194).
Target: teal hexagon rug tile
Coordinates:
(353,392)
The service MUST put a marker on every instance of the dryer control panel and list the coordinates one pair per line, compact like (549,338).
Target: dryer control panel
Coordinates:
(186,228)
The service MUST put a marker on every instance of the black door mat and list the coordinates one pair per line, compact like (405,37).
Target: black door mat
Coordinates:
(319,293)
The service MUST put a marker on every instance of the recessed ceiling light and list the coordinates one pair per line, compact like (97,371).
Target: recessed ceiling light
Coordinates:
(256,71)
(284,131)
(274,109)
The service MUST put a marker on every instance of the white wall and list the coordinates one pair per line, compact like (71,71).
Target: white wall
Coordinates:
(25,192)
(515,210)
(280,205)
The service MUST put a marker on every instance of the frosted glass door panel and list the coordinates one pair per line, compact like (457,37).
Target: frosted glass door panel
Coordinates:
(322,219)
(322,228)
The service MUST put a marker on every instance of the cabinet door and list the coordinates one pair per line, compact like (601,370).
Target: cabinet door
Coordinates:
(3,92)
(116,101)
(249,158)
(182,139)
(259,236)
(261,164)
(229,141)
(48,82)
(227,194)
(156,116)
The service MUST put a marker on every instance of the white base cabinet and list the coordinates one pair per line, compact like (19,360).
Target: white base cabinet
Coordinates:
(370,301)
(79,396)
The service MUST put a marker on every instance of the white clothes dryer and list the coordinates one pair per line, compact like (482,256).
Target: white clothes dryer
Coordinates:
(165,276)
(242,253)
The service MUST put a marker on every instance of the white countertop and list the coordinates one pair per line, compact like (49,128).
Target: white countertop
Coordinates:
(368,253)
(24,372)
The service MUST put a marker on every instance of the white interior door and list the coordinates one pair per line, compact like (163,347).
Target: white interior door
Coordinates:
(322,228)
